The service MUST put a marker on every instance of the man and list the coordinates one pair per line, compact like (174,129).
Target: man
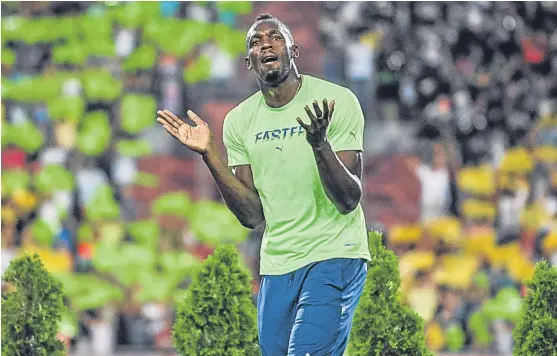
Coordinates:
(303,180)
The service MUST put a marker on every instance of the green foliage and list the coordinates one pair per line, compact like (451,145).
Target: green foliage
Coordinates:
(31,314)
(71,53)
(222,227)
(27,136)
(217,316)
(175,204)
(134,148)
(42,233)
(383,326)
(505,306)
(126,262)
(100,85)
(85,233)
(87,291)
(536,332)
(54,178)
(478,324)
(103,206)
(454,337)
(145,232)
(95,134)
(198,71)
(230,40)
(134,13)
(146,179)
(137,112)
(6,135)
(8,57)
(237,7)
(156,275)
(142,58)
(14,179)
(36,89)
(68,108)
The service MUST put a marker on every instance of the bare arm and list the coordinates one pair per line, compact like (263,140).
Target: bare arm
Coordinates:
(341,175)
(238,191)
(340,172)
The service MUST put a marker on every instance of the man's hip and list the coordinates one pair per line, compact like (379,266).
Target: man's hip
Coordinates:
(310,310)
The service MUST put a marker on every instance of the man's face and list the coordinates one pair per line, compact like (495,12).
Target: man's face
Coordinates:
(270,51)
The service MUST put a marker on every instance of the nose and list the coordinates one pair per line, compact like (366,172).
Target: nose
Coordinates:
(265,44)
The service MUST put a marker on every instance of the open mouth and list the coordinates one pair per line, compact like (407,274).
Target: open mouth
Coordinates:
(269,59)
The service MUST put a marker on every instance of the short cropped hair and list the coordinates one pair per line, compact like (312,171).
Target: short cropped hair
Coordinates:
(267,16)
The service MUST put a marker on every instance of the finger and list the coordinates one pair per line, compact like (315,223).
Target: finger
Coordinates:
(311,116)
(193,116)
(165,124)
(169,119)
(161,120)
(325,110)
(171,130)
(331,109)
(317,110)
(175,118)
(306,127)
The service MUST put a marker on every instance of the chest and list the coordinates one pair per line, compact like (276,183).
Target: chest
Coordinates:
(285,143)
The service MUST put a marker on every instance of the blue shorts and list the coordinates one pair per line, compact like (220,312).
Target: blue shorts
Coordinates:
(310,310)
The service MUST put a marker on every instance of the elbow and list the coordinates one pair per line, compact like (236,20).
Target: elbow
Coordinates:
(347,208)
(251,223)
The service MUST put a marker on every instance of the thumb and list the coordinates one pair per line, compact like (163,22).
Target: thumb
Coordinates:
(193,116)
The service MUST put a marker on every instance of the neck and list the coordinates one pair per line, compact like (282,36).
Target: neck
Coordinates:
(281,94)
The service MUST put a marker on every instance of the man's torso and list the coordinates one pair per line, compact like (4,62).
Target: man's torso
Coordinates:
(302,224)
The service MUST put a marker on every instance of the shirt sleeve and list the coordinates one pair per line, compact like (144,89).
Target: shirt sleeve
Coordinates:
(346,129)
(235,149)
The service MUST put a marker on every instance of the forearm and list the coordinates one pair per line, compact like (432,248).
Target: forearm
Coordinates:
(341,186)
(244,203)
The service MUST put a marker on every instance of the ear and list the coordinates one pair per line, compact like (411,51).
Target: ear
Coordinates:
(248,63)
(295,51)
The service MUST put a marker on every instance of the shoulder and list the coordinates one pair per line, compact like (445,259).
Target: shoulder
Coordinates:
(245,108)
(238,116)
(324,87)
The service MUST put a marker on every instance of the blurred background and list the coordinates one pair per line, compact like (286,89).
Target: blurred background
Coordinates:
(460,163)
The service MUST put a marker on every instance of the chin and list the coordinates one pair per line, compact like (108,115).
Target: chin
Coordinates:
(272,76)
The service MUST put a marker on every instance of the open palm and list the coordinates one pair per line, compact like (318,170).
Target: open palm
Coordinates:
(196,138)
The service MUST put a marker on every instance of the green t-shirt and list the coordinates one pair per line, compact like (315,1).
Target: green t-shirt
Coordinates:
(302,225)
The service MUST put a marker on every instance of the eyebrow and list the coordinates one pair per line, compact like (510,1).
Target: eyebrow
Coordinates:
(270,32)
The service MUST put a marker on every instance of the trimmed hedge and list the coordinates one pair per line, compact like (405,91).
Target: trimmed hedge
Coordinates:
(383,326)
(217,317)
(31,310)
(536,332)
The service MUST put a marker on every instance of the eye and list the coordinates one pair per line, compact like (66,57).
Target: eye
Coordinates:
(254,43)
(277,37)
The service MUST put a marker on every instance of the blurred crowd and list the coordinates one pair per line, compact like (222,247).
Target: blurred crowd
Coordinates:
(472,88)
(467,199)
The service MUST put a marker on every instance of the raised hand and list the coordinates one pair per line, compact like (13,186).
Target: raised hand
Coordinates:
(197,138)
(316,132)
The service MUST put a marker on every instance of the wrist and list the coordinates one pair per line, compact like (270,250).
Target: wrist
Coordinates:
(210,152)
(321,146)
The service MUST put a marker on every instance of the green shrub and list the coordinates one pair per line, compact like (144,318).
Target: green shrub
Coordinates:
(536,332)
(217,316)
(32,312)
(383,326)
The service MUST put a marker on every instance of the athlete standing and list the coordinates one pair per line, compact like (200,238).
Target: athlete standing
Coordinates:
(303,180)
